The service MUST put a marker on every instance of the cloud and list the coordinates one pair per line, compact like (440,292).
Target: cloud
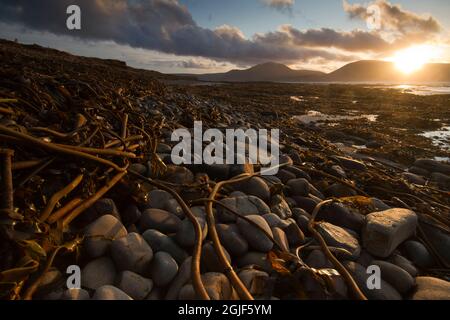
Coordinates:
(168,26)
(393,18)
(163,25)
(354,41)
(284,6)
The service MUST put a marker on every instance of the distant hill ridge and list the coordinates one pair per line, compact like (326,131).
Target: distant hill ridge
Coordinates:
(359,71)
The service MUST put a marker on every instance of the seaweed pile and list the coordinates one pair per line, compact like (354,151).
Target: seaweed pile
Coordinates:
(87,179)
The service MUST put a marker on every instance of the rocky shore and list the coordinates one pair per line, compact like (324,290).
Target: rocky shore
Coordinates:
(94,186)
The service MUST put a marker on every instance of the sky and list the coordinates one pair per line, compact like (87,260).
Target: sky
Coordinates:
(203,36)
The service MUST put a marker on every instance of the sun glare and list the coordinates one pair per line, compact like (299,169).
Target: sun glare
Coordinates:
(412,59)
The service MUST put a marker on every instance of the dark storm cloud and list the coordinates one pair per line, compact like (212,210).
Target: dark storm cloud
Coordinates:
(355,41)
(163,25)
(167,26)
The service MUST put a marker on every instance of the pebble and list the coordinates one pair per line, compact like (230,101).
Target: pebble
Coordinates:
(294,234)
(339,215)
(160,199)
(303,222)
(110,293)
(273,180)
(237,169)
(97,273)
(163,268)
(183,276)
(433,166)
(385,230)
(232,240)
(131,215)
(217,285)
(101,207)
(351,164)
(185,236)
(100,233)
(418,254)
(210,261)
(339,237)
(158,219)
(255,186)
(280,238)
(306,203)
(254,236)
(255,281)
(248,205)
(160,242)
(360,275)
(298,187)
(139,168)
(132,253)
(163,148)
(285,159)
(401,280)
(440,241)
(285,176)
(429,288)
(275,221)
(317,259)
(280,207)
(51,279)
(178,175)
(365,258)
(75,294)
(136,286)
(299,173)
(339,191)
(419,171)
(106,206)
(254,258)
(404,263)
(442,180)
(337,171)
(379,205)
(414,178)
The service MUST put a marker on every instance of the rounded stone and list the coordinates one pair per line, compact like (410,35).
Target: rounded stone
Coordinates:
(100,233)
(97,273)
(75,294)
(418,254)
(132,253)
(159,219)
(396,276)
(164,268)
(256,238)
(231,239)
(160,242)
(298,187)
(110,293)
(136,286)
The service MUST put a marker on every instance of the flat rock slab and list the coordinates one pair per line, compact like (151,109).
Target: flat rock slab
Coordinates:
(339,237)
(385,230)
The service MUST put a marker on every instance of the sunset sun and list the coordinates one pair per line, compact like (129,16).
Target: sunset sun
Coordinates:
(412,59)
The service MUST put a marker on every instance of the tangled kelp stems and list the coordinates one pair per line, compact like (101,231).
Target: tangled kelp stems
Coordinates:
(340,268)
(196,254)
